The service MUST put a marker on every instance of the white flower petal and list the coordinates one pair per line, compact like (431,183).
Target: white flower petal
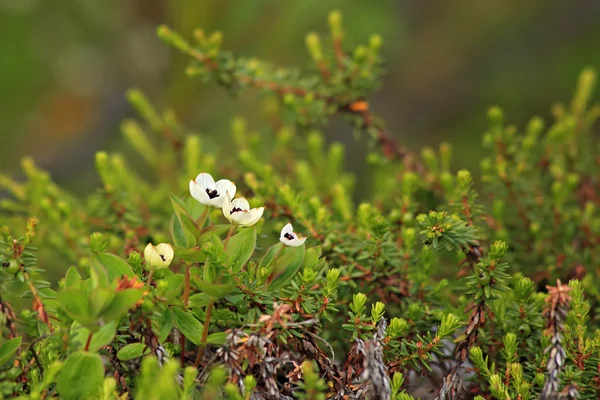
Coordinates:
(216,202)
(159,256)
(290,238)
(248,218)
(288,228)
(240,203)
(198,193)
(166,251)
(226,207)
(296,241)
(149,250)
(205,181)
(225,185)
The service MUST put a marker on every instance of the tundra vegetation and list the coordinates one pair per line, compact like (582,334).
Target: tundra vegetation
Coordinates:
(265,270)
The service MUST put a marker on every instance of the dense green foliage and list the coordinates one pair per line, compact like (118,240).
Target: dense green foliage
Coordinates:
(411,286)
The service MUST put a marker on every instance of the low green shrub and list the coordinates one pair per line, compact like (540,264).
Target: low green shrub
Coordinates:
(403,284)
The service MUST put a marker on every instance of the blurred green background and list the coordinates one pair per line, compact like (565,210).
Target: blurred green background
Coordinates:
(65,66)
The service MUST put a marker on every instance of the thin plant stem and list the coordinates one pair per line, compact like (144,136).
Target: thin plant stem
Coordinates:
(209,308)
(182,353)
(89,340)
(149,282)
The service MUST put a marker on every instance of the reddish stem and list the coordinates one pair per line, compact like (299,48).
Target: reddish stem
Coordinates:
(89,340)
(209,309)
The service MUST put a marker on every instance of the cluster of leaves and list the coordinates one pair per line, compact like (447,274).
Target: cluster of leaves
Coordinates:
(420,290)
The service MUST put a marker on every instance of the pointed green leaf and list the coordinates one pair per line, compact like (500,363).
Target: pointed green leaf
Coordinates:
(131,351)
(267,259)
(192,254)
(218,338)
(72,279)
(99,275)
(215,290)
(311,259)
(209,272)
(285,267)
(240,248)
(188,325)
(8,348)
(179,206)
(189,228)
(209,231)
(164,325)
(182,237)
(116,267)
(199,300)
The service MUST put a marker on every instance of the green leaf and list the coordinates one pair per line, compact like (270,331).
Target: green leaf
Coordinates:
(174,285)
(267,259)
(192,254)
(311,259)
(189,229)
(207,233)
(188,325)
(99,275)
(116,267)
(101,338)
(122,302)
(286,266)
(180,235)
(100,299)
(181,209)
(131,351)
(199,300)
(72,278)
(215,290)
(194,208)
(165,324)
(218,338)
(240,248)
(209,272)
(76,305)
(8,348)
(81,376)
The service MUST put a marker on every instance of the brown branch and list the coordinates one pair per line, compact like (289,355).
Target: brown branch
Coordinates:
(388,143)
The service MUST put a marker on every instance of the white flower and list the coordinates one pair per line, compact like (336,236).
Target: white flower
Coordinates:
(238,211)
(158,257)
(206,191)
(290,238)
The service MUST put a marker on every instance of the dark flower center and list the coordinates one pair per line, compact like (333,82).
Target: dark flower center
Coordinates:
(212,193)
(289,236)
(235,209)
(162,257)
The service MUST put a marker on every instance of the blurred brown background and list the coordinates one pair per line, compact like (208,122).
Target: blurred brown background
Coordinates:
(65,66)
